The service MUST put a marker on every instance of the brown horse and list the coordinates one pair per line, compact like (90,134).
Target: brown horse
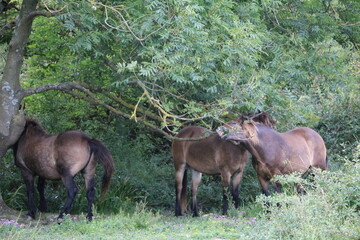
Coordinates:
(60,157)
(211,155)
(276,153)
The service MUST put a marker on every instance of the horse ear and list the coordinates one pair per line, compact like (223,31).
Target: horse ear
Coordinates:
(271,121)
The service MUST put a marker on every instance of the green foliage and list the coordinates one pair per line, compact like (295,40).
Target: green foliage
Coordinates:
(329,210)
(199,56)
(340,126)
(205,58)
(12,186)
(140,157)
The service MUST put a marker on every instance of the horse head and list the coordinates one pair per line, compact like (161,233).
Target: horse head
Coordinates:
(260,117)
(237,132)
(244,127)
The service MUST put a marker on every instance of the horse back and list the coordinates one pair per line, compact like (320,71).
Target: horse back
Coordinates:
(208,155)
(312,143)
(52,156)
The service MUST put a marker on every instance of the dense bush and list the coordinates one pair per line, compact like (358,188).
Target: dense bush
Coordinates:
(339,125)
(329,210)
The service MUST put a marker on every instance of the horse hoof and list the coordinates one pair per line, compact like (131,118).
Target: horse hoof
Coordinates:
(59,221)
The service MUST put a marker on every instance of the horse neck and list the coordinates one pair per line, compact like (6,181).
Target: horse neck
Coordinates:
(251,147)
(257,146)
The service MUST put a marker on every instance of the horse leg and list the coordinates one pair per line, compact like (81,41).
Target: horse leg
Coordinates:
(41,190)
(29,183)
(72,190)
(265,189)
(184,192)
(181,186)
(235,182)
(196,179)
(90,190)
(264,183)
(90,195)
(225,178)
(278,187)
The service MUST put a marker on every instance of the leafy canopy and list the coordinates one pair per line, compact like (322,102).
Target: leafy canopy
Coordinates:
(180,60)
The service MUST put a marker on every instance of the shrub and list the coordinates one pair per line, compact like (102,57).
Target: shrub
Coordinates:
(329,210)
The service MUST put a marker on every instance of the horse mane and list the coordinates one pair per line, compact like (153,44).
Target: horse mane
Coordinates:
(33,124)
(29,123)
(248,122)
(251,130)
(260,117)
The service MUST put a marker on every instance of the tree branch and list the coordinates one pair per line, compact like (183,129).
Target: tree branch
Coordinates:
(37,13)
(122,102)
(69,87)
(96,101)
(65,86)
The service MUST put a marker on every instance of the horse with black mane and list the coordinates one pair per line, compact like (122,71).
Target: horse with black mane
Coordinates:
(274,153)
(60,157)
(211,155)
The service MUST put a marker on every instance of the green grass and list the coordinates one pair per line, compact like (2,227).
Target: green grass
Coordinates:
(307,217)
(143,225)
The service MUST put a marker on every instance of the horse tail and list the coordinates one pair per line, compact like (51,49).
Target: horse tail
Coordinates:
(102,155)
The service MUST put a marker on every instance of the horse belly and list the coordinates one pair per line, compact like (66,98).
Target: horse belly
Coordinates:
(202,161)
(210,161)
(203,165)
(297,163)
(50,173)
(43,164)
(47,169)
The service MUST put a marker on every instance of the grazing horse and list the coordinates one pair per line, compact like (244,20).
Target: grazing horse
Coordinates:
(276,153)
(60,157)
(211,155)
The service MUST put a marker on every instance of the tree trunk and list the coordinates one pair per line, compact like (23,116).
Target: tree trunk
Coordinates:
(11,119)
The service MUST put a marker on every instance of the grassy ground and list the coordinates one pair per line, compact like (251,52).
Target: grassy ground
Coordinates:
(329,210)
(141,225)
(290,222)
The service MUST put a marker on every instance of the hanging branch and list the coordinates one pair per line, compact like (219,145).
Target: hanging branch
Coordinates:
(127,105)
(81,92)
(156,103)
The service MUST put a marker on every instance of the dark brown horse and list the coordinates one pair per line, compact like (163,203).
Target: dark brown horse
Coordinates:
(60,157)
(211,155)
(276,153)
